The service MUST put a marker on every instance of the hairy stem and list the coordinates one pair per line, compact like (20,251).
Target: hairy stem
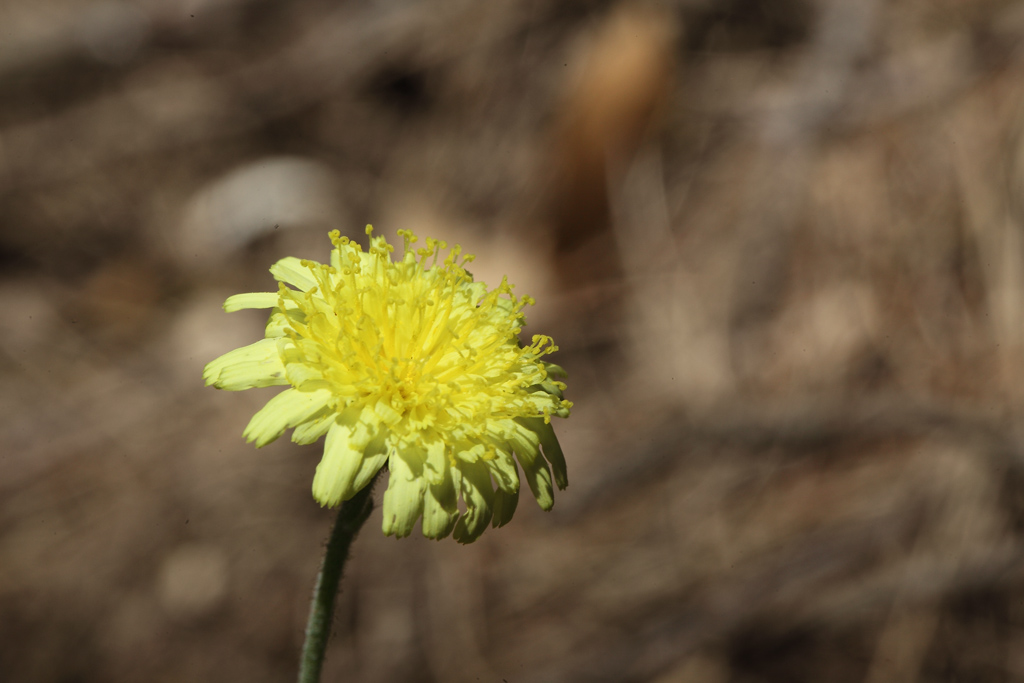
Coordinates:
(350,519)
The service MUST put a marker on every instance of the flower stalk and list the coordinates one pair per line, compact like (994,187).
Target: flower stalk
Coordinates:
(351,516)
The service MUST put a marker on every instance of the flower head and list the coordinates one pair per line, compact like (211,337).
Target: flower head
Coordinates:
(409,363)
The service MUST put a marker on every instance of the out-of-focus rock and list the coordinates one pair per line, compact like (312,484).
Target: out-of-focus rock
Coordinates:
(255,200)
(193,581)
(113,32)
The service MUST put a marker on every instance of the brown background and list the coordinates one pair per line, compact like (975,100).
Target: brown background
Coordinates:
(778,241)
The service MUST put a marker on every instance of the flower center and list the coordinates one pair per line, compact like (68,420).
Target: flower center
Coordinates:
(415,341)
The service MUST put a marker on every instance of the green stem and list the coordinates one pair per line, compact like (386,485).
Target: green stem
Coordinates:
(350,519)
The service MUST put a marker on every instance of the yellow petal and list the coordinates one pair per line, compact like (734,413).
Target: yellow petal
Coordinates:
(403,501)
(255,365)
(538,476)
(308,432)
(290,271)
(503,468)
(333,481)
(251,300)
(373,460)
(478,494)
(441,507)
(287,409)
(504,507)
(552,450)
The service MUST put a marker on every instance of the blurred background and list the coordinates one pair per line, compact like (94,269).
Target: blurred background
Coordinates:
(779,242)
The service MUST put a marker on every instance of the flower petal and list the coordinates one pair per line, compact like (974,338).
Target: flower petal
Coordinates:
(552,450)
(556,371)
(441,507)
(288,409)
(435,465)
(527,444)
(478,494)
(538,476)
(304,375)
(373,460)
(255,365)
(290,271)
(317,426)
(250,300)
(281,320)
(503,468)
(504,507)
(524,440)
(338,469)
(403,501)
(388,415)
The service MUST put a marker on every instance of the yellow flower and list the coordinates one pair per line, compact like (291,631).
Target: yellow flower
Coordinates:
(409,363)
